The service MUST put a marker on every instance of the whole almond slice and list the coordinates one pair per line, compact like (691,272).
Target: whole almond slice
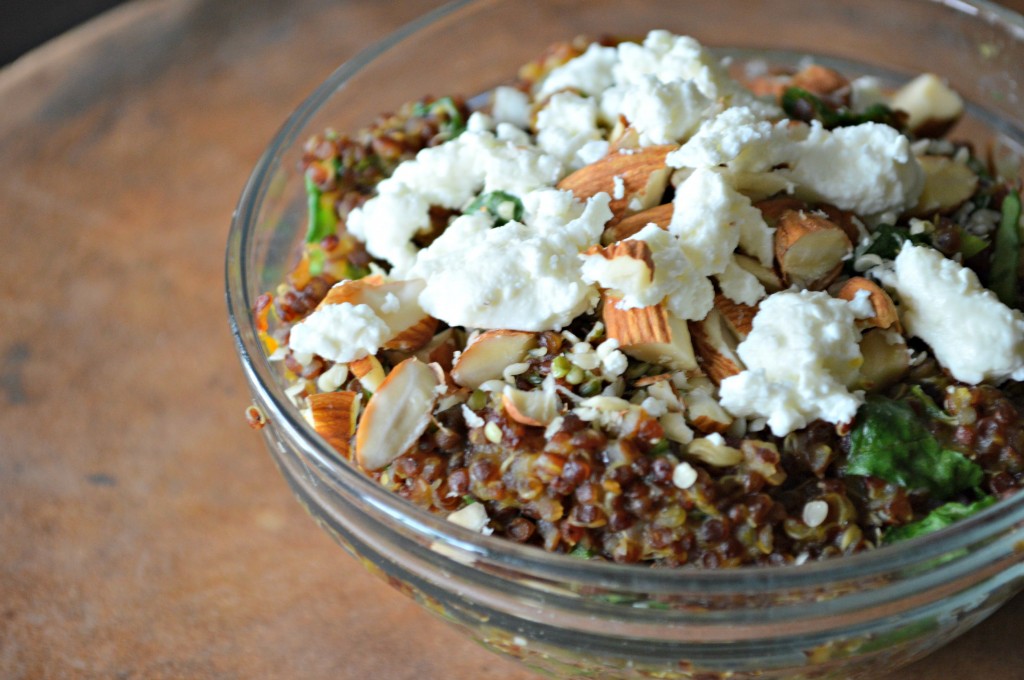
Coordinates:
(334,418)
(396,415)
(947,185)
(397,305)
(536,408)
(810,249)
(649,334)
(885,310)
(369,371)
(641,174)
(715,347)
(705,413)
(713,453)
(623,266)
(660,215)
(486,357)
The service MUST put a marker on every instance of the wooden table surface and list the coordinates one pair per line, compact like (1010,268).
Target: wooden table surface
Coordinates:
(144,531)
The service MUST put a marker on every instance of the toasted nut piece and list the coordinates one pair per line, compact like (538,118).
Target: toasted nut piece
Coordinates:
(738,317)
(704,412)
(440,349)
(810,249)
(947,185)
(713,453)
(627,265)
(773,208)
(715,346)
(486,357)
(819,80)
(396,415)
(395,302)
(334,418)
(885,310)
(643,174)
(932,107)
(369,371)
(768,277)
(649,334)
(844,219)
(886,359)
(631,224)
(534,407)
(623,136)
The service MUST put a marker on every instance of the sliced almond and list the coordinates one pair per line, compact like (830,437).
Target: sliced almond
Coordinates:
(932,108)
(885,310)
(369,371)
(947,185)
(623,136)
(643,174)
(714,453)
(534,407)
(396,415)
(773,208)
(487,356)
(440,350)
(715,347)
(810,249)
(660,215)
(334,418)
(766,275)
(886,359)
(650,334)
(705,413)
(738,317)
(844,219)
(395,302)
(625,265)
(820,80)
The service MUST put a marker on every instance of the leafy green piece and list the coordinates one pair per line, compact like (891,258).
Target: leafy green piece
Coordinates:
(581,552)
(939,518)
(800,104)
(323,219)
(888,441)
(1006,256)
(503,206)
(931,408)
(453,125)
(971,244)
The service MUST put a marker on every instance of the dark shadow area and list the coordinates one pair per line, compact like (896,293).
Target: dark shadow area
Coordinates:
(25,24)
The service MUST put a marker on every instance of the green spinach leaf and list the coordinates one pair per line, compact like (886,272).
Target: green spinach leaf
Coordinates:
(939,518)
(800,104)
(1006,256)
(502,206)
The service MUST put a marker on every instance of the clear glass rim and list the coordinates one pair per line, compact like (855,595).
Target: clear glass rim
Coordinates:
(499,552)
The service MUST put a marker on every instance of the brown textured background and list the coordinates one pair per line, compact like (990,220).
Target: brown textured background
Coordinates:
(144,532)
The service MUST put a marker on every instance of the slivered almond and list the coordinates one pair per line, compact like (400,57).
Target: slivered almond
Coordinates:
(773,208)
(660,215)
(886,359)
(885,310)
(486,357)
(369,371)
(947,185)
(623,136)
(738,317)
(395,302)
(650,334)
(766,275)
(628,265)
(534,407)
(715,347)
(334,418)
(810,249)
(396,415)
(713,453)
(651,379)
(643,174)
(704,413)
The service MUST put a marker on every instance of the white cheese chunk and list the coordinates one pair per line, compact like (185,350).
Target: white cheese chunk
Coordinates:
(511,106)
(664,112)
(739,285)
(738,137)
(566,125)
(802,355)
(972,334)
(590,73)
(341,333)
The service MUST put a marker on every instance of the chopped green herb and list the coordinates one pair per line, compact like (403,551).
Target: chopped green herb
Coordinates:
(323,219)
(1006,256)
(931,408)
(971,244)
(453,125)
(800,104)
(582,552)
(317,257)
(939,518)
(888,441)
(504,207)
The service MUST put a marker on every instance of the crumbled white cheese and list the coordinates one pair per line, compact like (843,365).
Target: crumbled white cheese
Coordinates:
(972,334)
(341,333)
(737,137)
(516,276)
(473,517)
(613,362)
(511,106)
(865,92)
(590,73)
(664,112)
(471,417)
(866,168)
(619,190)
(566,124)
(802,355)
(739,285)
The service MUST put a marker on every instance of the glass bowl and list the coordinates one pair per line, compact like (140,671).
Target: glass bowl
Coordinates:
(849,617)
